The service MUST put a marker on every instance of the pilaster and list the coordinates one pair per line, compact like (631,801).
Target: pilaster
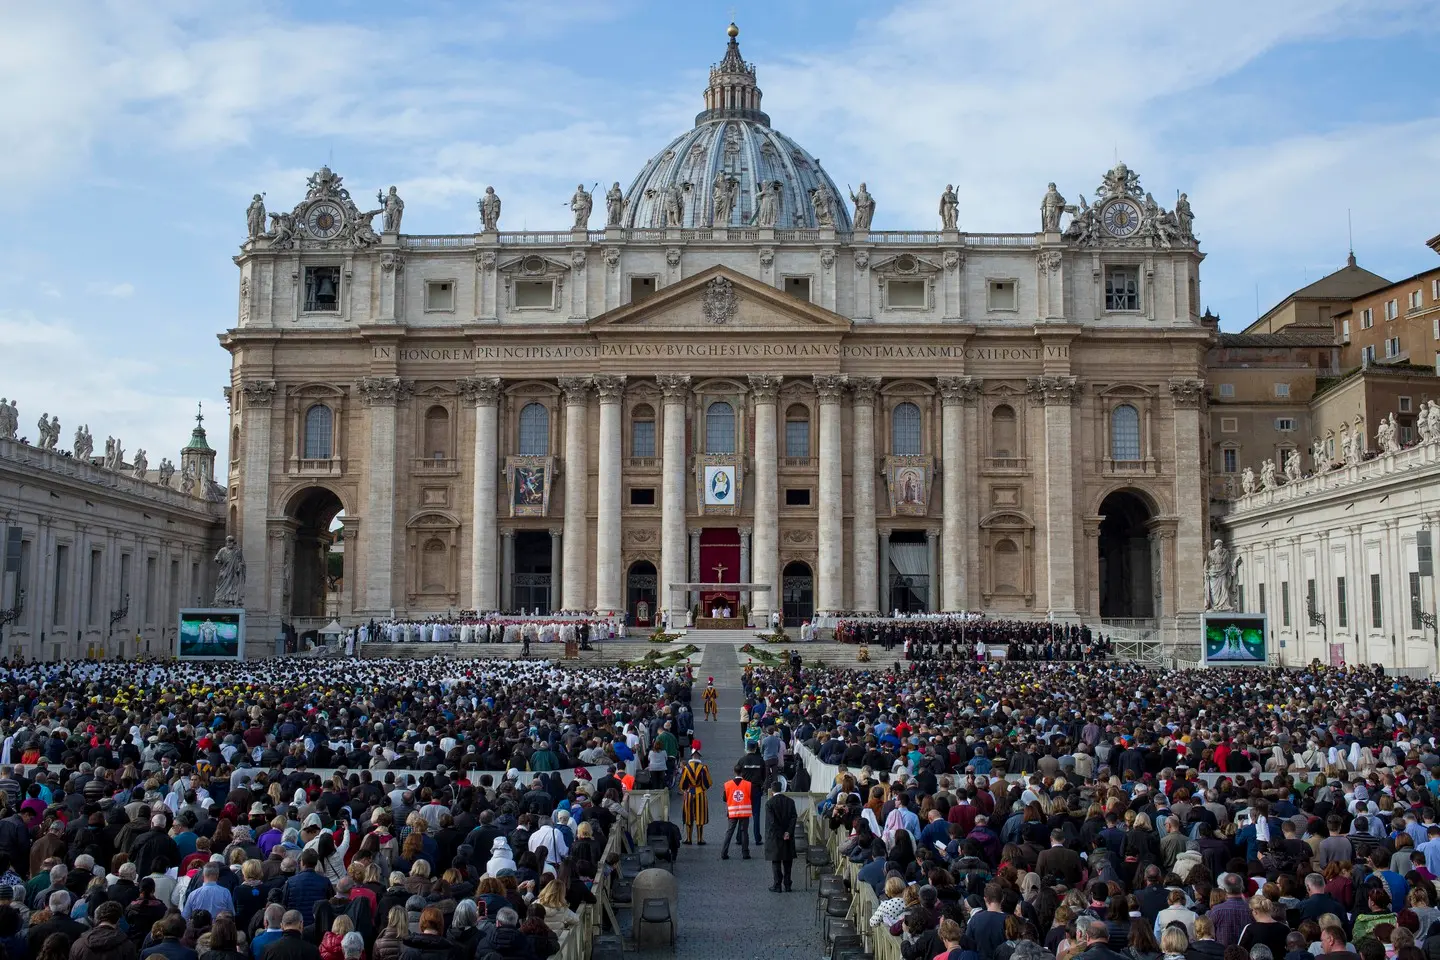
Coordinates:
(830,597)
(483,393)
(577,493)
(1057,395)
(765,388)
(955,394)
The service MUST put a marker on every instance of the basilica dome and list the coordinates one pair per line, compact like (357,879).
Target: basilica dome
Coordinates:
(730,156)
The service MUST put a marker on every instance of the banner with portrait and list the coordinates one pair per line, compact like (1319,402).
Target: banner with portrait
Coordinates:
(528,481)
(719,479)
(908,480)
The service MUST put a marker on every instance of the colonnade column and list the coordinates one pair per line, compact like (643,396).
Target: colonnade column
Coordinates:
(765,547)
(382,395)
(745,596)
(609,590)
(865,586)
(955,392)
(484,393)
(507,570)
(1188,396)
(672,493)
(557,566)
(575,579)
(932,593)
(256,399)
(830,597)
(1057,393)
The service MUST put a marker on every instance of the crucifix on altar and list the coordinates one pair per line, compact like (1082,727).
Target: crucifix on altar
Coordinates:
(720,606)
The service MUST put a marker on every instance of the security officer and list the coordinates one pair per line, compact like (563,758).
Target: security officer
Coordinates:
(738,808)
(752,768)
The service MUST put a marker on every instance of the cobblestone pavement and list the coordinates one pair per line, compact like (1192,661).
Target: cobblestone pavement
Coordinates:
(726,909)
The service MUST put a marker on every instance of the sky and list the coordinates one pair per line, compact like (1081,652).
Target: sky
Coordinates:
(135,134)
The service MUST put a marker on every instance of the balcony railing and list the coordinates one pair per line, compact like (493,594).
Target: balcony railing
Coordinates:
(327,467)
(800,462)
(642,463)
(436,465)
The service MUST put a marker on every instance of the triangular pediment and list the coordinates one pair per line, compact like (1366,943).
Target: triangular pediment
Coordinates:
(721,301)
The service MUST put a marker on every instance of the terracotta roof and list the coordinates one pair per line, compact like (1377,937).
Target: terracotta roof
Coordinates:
(1309,337)
(1347,283)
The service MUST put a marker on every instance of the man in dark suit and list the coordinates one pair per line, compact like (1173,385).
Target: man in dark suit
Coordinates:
(1059,861)
(780,817)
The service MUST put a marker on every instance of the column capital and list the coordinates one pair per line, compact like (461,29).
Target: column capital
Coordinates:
(576,390)
(957,390)
(1059,390)
(258,393)
(384,391)
(555,532)
(765,386)
(1187,391)
(481,391)
(830,386)
(864,389)
(675,386)
(507,534)
(746,531)
(931,536)
(610,388)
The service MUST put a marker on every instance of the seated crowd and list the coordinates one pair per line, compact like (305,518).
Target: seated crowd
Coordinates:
(1110,844)
(970,637)
(171,811)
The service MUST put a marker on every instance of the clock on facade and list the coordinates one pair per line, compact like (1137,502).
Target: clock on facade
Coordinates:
(323,220)
(1121,217)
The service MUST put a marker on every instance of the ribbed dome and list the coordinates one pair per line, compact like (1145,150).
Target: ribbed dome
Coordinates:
(732,138)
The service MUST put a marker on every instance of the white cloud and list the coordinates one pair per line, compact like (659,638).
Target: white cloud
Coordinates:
(120,291)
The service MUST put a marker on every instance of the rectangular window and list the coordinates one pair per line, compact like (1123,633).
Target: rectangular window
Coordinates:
(440,295)
(798,287)
(92,600)
(1392,347)
(1285,424)
(1344,331)
(1404,404)
(1435,292)
(1415,608)
(1367,319)
(640,288)
(1282,389)
(642,496)
(1229,425)
(1003,295)
(797,438)
(1342,606)
(1437,363)
(1285,602)
(1367,353)
(535,294)
(62,585)
(195,583)
(1240,596)
(172,590)
(797,496)
(322,289)
(642,438)
(1377,603)
(1227,389)
(124,592)
(1417,297)
(1392,309)
(1435,329)
(905,294)
(1424,558)
(1261,585)
(1230,456)
(1122,288)
(150,587)
(1407,434)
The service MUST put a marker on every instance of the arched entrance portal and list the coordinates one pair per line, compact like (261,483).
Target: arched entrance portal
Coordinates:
(1127,567)
(307,579)
(797,590)
(641,589)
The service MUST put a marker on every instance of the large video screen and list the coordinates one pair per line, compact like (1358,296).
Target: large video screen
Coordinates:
(1235,640)
(211,635)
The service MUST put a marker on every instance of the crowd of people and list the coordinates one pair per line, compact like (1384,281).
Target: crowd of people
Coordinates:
(971,636)
(1209,815)
(496,628)
(316,809)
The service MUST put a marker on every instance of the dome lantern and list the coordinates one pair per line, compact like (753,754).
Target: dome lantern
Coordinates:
(732,92)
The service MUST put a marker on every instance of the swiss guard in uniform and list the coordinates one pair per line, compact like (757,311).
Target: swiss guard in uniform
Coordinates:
(694,782)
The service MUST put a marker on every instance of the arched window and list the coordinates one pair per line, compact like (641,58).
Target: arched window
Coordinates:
(905,430)
(433,566)
(797,431)
(642,431)
(319,432)
(437,433)
(534,430)
(719,428)
(1002,432)
(1008,575)
(1125,433)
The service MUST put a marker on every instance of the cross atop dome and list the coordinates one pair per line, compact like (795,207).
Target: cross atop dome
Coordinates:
(732,92)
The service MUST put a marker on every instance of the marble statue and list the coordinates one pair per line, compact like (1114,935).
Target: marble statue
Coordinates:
(864,207)
(142,463)
(490,210)
(1247,482)
(1392,435)
(84,443)
(1051,207)
(581,204)
(393,208)
(1318,458)
(1355,447)
(824,203)
(230,582)
(187,479)
(167,471)
(118,455)
(9,420)
(1422,423)
(1219,578)
(1294,472)
(358,229)
(767,210)
(614,205)
(949,208)
(1267,475)
(1084,222)
(1433,416)
(723,192)
(108,460)
(255,217)
(282,230)
(675,204)
(49,432)
(1382,436)
(1184,219)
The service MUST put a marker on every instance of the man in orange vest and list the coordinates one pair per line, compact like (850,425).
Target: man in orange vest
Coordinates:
(737,808)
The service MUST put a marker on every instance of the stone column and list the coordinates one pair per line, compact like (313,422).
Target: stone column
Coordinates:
(932,583)
(557,563)
(507,570)
(830,596)
(576,576)
(484,393)
(955,393)
(884,584)
(864,590)
(609,577)
(350,601)
(744,567)
(672,494)
(695,575)
(382,395)
(1188,397)
(256,397)
(766,546)
(1057,394)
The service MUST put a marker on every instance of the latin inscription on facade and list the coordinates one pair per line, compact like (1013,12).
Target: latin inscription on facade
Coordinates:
(641,351)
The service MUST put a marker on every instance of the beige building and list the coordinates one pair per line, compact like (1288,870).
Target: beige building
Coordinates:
(733,383)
